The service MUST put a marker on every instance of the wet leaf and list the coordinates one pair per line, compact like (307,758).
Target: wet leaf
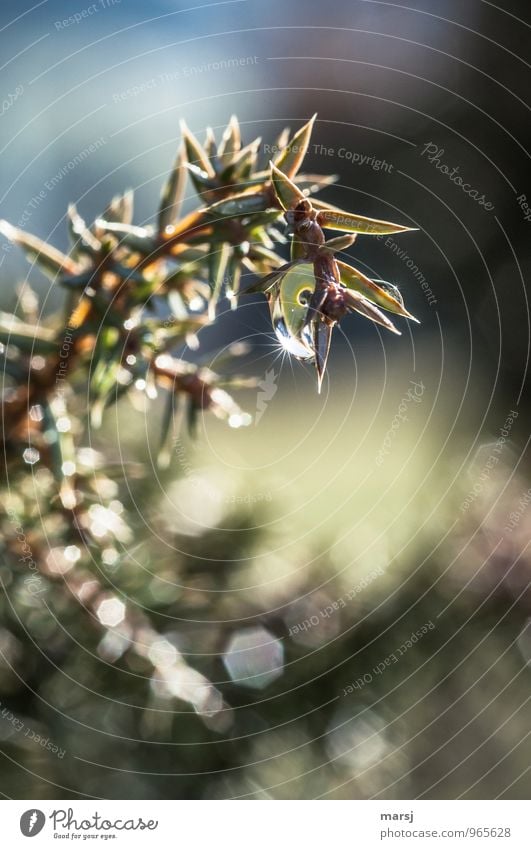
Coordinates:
(202,182)
(267,218)
(297,249)
(209,145)
(137,238)
(230,142)
(195,152)
(287,193)
(242,204)
(282,139)
(261,252)
(295,291)
(339,220)
(194,227)
(314,182)
(241,164)
(219,258)
(49,259)
(26,337)
(120,209)
(83,239)
(341,243)
(290,159)
(360,304)
(172,193)
(352,278)
(322,336)
(268,282)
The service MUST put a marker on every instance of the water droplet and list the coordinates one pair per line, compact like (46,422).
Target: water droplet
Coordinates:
(299,347)
(151,391)
(392,289)
(254,658)
(31,456)
(72,553)
(162,654)
(109,556)
(196,304)
(124,377)
(57,562)
(240,420)
(111,612)
(36,413)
